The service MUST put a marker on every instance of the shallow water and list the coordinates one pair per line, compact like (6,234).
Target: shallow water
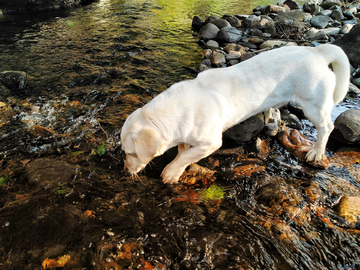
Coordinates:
(66,191)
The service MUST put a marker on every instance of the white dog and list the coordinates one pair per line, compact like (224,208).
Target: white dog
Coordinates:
(193,114)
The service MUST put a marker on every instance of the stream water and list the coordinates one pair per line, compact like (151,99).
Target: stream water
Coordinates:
(63,190)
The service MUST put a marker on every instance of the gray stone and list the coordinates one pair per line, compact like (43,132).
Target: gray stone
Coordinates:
(235,22)
(246,130)
(292,15)
(350,43)
(212,44)
(229,34)
(13,80)
(211,18)
(325,12)
(292,121)
(197,23)
(208,32)
(320,21)
(202,67)
(220,23)
(251,21)
(347,125)
(348,15)
(230,57)
(327,4)
(318,36)
(356,81)
(337,15)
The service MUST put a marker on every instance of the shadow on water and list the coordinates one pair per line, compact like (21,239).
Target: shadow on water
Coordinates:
(65,200)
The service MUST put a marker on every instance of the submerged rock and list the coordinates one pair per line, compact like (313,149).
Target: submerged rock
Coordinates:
(349,208)
(49,172)
(298,145)
(13,80)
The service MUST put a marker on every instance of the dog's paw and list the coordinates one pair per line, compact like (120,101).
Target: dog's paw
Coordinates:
(171,175)
(314,155)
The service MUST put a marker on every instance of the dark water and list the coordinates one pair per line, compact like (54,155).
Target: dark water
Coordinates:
(66,192)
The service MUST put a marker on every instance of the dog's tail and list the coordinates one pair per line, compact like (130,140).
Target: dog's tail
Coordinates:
(341,67)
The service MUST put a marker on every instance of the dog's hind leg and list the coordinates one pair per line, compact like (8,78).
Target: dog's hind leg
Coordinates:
(321,118)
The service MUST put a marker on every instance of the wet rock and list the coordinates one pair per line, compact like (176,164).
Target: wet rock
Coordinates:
(206,54)
(208,32)
(327,4)
(337,15)
(235,22)
(211,18)
(220,23)
(349,208)
(345,29)
(320,21)
(217,59)
(13,80)
(292,15)
(350,43)
(212,44)
(292,121)
(197,174)
(291,4)
(251,21)
(296,143)
(39,131)
(347,126)
(49,172)
(247,168)
(228,34)
(246,130)
(197,23)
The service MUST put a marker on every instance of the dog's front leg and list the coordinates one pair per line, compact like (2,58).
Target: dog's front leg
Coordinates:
(185,157)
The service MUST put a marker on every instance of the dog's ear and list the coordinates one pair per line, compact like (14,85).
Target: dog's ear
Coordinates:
(147,142)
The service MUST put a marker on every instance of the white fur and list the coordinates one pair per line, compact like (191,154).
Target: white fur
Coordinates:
(197,112)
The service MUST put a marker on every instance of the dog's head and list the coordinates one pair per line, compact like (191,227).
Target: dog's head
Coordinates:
(140,141)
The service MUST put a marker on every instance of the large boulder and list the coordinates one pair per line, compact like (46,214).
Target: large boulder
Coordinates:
(350,43)
(347,126)
(208,32)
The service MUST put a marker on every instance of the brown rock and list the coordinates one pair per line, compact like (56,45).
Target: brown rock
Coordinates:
(217,59)
(298,145)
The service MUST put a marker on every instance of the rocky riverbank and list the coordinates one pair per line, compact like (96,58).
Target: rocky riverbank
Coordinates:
(233,39)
